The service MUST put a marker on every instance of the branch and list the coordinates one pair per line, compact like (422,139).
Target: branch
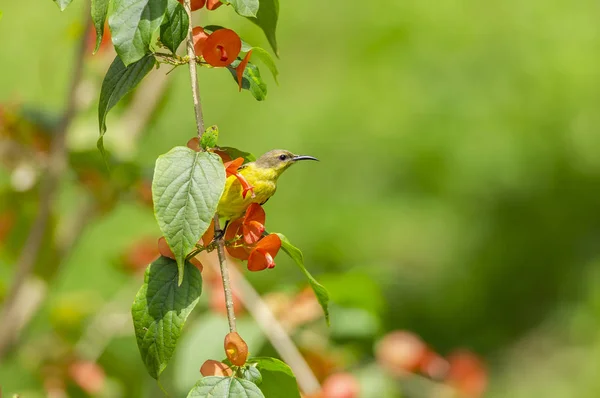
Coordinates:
(193,76)
(49,185)
(225,275)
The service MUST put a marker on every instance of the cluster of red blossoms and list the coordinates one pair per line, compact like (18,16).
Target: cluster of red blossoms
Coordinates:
(245,240)
(221,47)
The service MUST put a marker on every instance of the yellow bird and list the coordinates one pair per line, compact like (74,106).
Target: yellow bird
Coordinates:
(262,174)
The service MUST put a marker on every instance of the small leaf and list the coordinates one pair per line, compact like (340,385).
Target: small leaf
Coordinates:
(174,28)
(224,387)
(160,310)
(119,80)
(132,24)
(210,137)
(235,153)
(252,374)
(63,4)
(267,20)
(99,11)
(186,189)
(245,8)
(251,80)
(278,380)
(320,291)
(266,58)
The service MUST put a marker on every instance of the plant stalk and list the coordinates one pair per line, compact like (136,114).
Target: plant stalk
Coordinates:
(193,76)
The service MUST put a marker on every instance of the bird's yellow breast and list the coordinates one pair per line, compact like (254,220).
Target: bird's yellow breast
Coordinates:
(232,205)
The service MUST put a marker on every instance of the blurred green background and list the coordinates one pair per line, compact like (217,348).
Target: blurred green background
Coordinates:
(458,193)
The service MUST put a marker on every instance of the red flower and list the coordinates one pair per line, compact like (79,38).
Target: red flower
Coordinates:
(241,67)
(200,37)
(253,225)
(262,256)
(236,249)
(213,4)
(195,4)
(222,47)
(231,169)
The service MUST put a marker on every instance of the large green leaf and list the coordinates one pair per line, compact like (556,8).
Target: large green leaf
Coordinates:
(62,4)
(320,291)
(99,11)
(160,310)
(266,18)
(119,80)
(224,387)
(251,80)
(174,28)
(278,380)
(186,189)
(132,24)
(246,8)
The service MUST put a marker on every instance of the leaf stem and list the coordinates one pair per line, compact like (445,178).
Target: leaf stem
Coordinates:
(193,76)
(225,275)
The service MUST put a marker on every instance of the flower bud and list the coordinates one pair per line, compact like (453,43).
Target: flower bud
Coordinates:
(236,349)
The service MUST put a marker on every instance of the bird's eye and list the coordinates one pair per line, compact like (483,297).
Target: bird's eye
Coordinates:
(282,157)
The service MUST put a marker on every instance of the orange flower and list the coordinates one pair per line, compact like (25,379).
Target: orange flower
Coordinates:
(236,349)
(231,169)
(262,256)
(241,67)
(213,4)
(238,250)
(195,4)
(221,47)
(253,225)
(200,37)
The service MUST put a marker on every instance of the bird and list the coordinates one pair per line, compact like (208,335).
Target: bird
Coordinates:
(262,174)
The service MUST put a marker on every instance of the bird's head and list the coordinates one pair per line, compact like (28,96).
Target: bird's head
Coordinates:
(279,160)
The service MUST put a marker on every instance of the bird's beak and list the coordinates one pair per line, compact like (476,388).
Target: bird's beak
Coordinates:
(303,157)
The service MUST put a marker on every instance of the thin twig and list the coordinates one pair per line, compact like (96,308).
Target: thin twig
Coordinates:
(225,275)
(276,334)
(48,188)
(193,76)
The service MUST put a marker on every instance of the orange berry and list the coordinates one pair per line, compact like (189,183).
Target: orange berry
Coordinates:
(164,249)
(222,47)
(236,349)
(215,368)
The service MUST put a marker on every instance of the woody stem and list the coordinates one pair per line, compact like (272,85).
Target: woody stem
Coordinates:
(193,76)
(225,274)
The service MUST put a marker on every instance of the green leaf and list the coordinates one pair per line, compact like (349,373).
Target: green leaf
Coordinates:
(160,310)
(132,24)
(278,380)
(235,153)
(210,137)
(174,28)
(62,4)
(186,189)
(320,291)
(119,80)
(252,374)
(99,11)
(245,8)
(266,58)
(251,80)
(224,387)
(267,20)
